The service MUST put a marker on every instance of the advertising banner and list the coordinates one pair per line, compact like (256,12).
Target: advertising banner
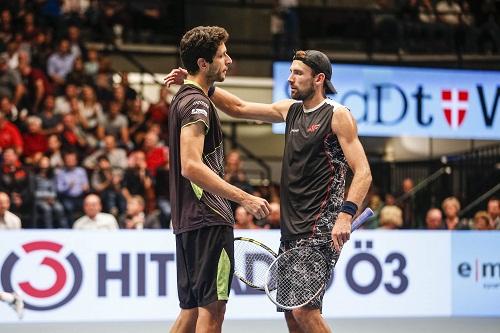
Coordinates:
(476,273)
(426,102)
(71,276)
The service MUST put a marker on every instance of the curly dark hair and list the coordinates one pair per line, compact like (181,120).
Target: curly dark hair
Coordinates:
(201,42)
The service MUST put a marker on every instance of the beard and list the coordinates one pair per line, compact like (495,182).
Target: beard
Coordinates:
(304,94)
(216,75)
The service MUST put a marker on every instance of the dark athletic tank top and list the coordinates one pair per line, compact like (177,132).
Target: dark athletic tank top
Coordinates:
(313,173)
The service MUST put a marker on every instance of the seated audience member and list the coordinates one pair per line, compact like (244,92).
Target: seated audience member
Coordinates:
(117,156)
(94,219)
(73,137)
(37,84)
(77,75)
(7,219)
(91,115)
(274,218)
(244,220)
(482,221)
(434,219)
(35,141)
(493,209)
(63,102)
(135,217)
(234,172)
(158,113)
(137,122)
(12,114)
(11,84)
(60,63)
(91,66)
(54,151)
(156,153)
(51,121)
(116,124)
(408,203)
(451,207)
(47,205)
(136,180)
(11,136)
(106,183)
(72,184)
(16,181)
(391,217)
(376,204)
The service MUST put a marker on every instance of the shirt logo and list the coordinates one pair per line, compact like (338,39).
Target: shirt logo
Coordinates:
(455,104)
(201,103)
(199,111)
(313,128)
(294,130)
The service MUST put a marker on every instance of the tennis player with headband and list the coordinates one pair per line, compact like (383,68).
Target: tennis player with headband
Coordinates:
(321,142)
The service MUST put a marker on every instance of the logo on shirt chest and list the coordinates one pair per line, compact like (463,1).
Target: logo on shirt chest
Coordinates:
(313,128)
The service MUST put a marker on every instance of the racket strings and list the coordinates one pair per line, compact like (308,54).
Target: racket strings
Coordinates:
(251,263)
(297,277)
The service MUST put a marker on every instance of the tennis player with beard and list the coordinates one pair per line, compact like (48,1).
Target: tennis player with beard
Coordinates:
(321,143)
(201,215)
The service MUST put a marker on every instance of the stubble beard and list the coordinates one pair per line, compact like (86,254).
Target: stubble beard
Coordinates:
(303,95)
(216,76)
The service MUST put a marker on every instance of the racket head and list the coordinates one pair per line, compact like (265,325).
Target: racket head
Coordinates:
(251,261)
(297,277)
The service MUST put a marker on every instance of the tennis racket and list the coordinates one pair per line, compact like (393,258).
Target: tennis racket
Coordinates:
(299,275)
(251,261)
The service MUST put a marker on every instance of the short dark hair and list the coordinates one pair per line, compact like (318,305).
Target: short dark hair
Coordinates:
(201,42)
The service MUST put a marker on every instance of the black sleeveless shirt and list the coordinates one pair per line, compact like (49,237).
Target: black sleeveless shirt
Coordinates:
(313,173)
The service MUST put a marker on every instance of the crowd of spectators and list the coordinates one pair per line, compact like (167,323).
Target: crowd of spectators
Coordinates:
(403,213)
(437,25)
(73,141)
(80,149)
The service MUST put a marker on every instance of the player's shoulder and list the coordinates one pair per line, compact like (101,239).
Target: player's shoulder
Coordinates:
(194,99)
(336,106)
(190,93)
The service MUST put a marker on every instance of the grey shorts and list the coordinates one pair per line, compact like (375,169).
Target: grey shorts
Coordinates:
(331,258)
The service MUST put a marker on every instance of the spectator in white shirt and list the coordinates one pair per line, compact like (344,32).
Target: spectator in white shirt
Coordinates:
(7,219)
(94,219)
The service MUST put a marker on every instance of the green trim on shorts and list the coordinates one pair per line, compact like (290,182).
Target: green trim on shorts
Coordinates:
(223,269)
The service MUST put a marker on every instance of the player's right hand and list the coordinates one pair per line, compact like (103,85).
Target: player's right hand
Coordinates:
(256,206)
(176,76)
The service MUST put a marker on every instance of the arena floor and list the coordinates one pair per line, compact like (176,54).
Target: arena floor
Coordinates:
(388,325)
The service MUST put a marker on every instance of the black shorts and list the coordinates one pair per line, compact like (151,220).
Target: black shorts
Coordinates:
(330,254)
(205,265)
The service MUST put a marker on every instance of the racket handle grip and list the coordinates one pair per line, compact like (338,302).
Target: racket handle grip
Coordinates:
(362,218)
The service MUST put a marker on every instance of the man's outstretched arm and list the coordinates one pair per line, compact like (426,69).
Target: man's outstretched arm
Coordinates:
(235,106)
(238,108)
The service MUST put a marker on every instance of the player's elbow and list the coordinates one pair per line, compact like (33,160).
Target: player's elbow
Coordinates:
(367,175)
(363,173)
(188,169)
(235,111)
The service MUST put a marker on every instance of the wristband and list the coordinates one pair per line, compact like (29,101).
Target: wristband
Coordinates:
(211,91)
(349,207)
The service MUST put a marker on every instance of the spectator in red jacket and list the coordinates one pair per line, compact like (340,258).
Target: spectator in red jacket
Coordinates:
(10,137)
(35,141)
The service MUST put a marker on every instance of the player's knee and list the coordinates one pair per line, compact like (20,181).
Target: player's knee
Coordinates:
(221,311)
(303,315)
(292,324)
